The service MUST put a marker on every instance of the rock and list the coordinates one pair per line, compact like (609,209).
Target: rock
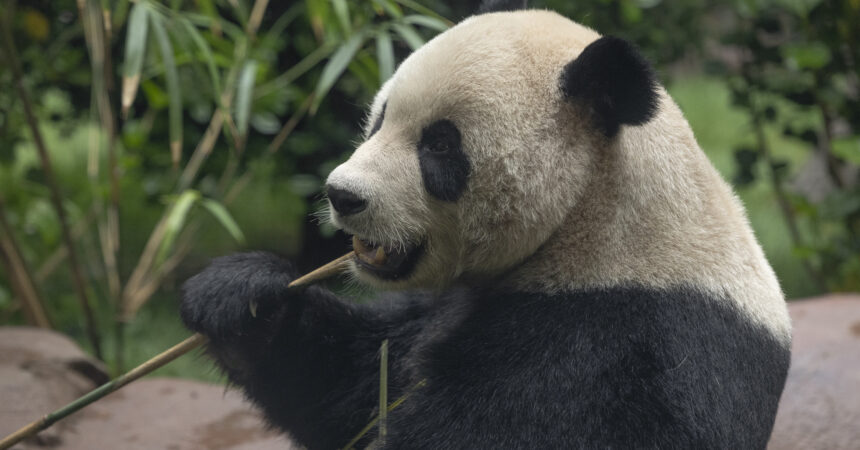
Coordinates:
(820,407)
(41,371)
(172,414)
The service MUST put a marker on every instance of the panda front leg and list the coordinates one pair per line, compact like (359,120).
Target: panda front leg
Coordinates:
(307,358)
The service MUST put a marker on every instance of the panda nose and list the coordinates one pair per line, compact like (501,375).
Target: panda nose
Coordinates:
(345,202)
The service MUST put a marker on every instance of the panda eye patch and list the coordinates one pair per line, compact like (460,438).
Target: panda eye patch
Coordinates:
(445,167)
(440,137)
(378,123)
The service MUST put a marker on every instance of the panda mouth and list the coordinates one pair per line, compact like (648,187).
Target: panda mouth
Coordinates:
(386,262)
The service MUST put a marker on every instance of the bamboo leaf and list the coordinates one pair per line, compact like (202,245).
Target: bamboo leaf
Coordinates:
(220,212)
(384,55)
(135,50)
(207,55)
(175,222)
(174,110)
(300,68)
(292,13)
(335,67)
(412,38)
(207,7)
(393,9)
(365,68)
(426,21)
(417,7)
(244,94)
(341,10)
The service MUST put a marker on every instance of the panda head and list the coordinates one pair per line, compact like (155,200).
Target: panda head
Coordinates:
(481,143)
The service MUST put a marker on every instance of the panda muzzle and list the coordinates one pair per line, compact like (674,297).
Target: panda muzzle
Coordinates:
(384,261)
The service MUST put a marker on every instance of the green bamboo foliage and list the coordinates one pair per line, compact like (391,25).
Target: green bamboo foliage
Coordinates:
(174,93)
(244,95)
(384,56)
(135,50)
(230,79)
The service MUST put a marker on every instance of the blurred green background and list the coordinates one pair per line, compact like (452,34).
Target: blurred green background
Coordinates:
(173,131)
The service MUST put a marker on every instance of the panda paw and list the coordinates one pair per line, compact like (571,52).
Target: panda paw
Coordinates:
(237,296)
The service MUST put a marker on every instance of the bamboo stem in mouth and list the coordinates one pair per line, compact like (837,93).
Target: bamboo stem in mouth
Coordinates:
(326,271)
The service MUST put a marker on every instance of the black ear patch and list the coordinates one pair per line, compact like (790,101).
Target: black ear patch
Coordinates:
(615,81)
(491,6)
(444,167)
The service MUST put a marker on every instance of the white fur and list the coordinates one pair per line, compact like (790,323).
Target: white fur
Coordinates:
(550,205)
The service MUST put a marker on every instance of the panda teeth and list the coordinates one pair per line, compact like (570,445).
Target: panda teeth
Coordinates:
(369,253)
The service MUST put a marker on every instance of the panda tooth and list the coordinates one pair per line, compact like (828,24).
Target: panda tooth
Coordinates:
(380,257)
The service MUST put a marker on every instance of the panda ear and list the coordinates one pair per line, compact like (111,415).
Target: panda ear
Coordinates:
(490,6)
(615,81)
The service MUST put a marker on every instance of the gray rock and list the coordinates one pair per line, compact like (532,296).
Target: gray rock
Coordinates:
(820,407)
(41,371)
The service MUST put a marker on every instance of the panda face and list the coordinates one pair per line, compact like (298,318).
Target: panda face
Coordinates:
(473,155)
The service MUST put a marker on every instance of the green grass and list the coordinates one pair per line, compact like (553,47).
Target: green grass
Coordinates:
(720,128)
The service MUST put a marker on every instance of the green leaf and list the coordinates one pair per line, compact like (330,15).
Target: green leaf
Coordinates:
(384,55)
(803,252)
(265,122)
(630,12)
(812,55)
(848,148)
(292,13)
(244,94)
(364,67)
(5,298)
(412,38)
(393,9)
(207,7)
(175,222)
(207,56)
(341,10)
(426,21)
(335,67)
(174,111)
(135,50)
(300,68)
(155,96)
(220,212)
(417,7)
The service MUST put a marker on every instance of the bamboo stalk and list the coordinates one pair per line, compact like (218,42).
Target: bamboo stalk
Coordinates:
(96,26)
(20,275)
(383,392)
(351,444)
(53,187)
(195,341)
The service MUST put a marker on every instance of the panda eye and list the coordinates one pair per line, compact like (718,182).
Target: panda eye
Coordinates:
(440,137)
(444,166)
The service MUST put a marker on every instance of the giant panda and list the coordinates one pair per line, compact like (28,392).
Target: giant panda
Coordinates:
(561,266)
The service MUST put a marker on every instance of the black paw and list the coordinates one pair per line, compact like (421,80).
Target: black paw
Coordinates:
(236,294)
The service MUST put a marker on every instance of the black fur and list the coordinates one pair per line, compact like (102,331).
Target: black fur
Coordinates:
(612,368)
(491,6)
(445,167)
(378,124)
(615,81)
